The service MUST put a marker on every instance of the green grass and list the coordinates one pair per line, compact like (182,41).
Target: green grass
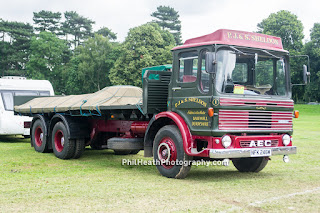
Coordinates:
(35,182)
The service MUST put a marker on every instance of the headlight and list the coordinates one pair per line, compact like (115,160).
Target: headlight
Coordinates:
(226,141)
(286,140)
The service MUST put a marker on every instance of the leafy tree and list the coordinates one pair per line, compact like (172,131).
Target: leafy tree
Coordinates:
(47,21)
(89,68)
(78,26)
(315,34)
(168,19)
(289,28)
(146,45)
(15,45)
(2,29)
(312,48)
(47,59)
(106,32)
(5,50)
(285,25)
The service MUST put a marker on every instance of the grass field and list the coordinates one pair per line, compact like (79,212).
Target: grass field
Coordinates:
(35,182)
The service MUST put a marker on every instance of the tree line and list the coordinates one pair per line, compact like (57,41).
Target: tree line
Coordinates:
(63,49)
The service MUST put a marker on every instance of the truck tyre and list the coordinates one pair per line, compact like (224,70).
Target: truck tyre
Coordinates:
(63,148)
(39,140)
(79,148)
(169,155)
(250,164)
(125,146)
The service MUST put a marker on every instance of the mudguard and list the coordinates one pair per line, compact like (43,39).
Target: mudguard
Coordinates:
(167,118)
(77,127)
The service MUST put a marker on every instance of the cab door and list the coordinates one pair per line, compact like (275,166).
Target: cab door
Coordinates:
(191,90)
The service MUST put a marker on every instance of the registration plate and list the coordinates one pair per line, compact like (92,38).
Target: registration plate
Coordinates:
(260,152)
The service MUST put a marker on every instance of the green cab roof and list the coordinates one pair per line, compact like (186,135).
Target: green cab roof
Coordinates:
(165,67)
(157,68)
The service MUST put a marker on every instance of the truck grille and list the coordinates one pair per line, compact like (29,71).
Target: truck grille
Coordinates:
(254,120)
(255,103)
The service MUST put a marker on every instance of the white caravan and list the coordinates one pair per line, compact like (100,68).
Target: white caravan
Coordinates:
(16,89)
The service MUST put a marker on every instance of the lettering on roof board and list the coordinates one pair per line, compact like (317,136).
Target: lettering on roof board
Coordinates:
(248,37)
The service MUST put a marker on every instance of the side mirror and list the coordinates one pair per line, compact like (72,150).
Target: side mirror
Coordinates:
(306,75)
(210,62)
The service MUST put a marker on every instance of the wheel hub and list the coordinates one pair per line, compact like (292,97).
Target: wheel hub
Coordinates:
(164,151)
(59,140)
(38,136)
(62,141)
(41,136)
(167,153)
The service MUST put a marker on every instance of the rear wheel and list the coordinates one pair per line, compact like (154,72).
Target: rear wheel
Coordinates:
(250,164)
(79,148)
(39,140)
(169,155)
(63,147)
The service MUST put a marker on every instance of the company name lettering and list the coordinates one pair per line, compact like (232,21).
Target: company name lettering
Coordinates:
(260,143)
(194,100)
(256,38)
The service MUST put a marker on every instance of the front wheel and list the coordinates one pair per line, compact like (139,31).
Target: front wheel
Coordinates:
(169,155)
(250,164)
(63,147)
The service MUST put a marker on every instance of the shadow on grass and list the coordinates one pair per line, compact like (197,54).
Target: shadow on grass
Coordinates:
(225,175)
(13,139)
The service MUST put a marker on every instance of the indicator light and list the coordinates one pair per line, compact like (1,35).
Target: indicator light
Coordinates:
(210,112)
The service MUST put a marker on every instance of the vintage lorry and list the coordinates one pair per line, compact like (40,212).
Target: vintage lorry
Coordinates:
(227,95)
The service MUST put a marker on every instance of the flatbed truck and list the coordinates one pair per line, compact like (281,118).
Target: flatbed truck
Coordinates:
(227,95)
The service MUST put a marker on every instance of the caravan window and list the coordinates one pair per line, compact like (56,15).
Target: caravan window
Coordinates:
(45,93)
(26,93)
(7,98)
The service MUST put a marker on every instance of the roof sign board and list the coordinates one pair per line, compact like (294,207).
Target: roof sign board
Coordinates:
(237,38)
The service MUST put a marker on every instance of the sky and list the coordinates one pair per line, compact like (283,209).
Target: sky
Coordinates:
(198,17)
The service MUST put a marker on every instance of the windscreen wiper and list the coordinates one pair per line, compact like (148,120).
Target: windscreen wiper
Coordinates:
(235,49)
(265,51)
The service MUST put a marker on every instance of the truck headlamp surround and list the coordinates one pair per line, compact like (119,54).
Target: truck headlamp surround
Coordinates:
(286,140)
(226,141)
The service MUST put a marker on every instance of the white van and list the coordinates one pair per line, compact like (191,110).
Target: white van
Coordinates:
(14,89)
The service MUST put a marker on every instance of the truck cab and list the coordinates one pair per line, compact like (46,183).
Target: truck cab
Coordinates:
(231,90)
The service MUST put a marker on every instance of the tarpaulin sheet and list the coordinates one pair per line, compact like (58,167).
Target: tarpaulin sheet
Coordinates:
(108,97)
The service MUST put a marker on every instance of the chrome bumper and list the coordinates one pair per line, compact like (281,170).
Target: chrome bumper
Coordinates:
(245,152)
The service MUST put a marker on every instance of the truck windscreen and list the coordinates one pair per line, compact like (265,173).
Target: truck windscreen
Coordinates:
(250,73)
